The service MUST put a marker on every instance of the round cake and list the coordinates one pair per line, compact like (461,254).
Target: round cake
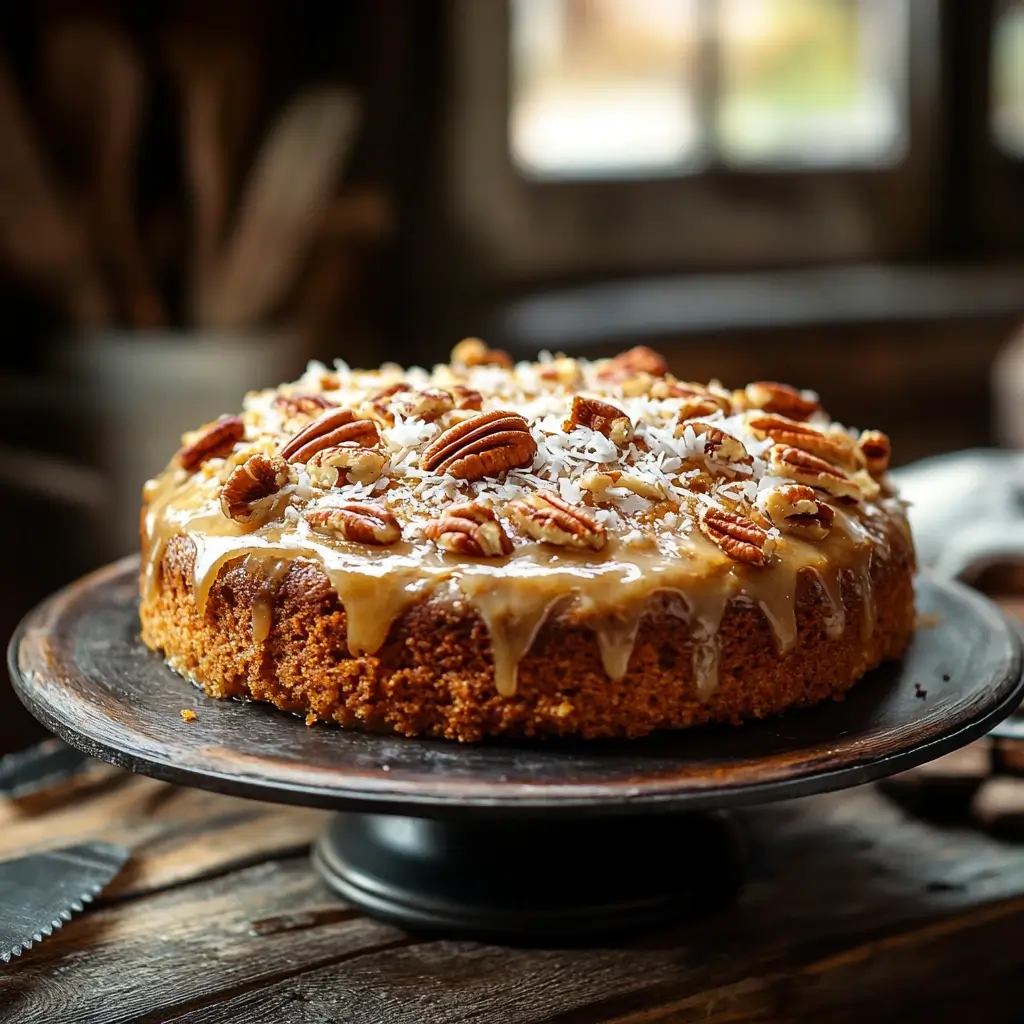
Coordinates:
(553,548)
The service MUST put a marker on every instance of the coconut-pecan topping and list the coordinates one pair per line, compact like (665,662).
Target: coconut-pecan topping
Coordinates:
(875,447)
(348,462)
(474,352)
(428,405)
(214,441)
(332,428)
(248,493)
(470,529)
(355,522)
(771,396)
(835,447)
(697,400)
(722,447)
(632,363)
(467,398)
(808,469)
(739,537)
(544,516)
(797,509)
(600,416)
(301,406)
(487,445)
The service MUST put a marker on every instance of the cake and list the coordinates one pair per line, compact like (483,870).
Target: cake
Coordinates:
(554,548)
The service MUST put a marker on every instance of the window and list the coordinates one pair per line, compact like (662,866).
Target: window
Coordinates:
(593,137)
(625,88)
(1008,80)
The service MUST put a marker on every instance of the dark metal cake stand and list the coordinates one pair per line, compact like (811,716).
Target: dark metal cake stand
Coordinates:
(513,840)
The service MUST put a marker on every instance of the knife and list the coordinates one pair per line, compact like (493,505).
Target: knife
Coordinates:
(38,893)
(39,767)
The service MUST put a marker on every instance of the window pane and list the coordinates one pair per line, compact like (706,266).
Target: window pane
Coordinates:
(603,88)
(812,82)
(1008,80)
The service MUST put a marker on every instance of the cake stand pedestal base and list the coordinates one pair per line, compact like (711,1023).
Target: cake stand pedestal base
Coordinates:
(522,879)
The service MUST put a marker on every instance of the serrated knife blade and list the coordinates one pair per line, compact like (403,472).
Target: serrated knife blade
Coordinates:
(40,892)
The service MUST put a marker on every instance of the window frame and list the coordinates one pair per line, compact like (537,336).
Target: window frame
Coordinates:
(512,230)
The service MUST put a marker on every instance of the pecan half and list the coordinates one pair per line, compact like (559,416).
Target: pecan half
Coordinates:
(474,352)
(305,406)
(600,416)
(632,363)
(348,462)
(330,429)
(428,405)
(796,509)
(214,441)
(771,396)
(835,446)
(876,449)
(486,445)
(808,469)
(361,524)
(545,517)
(739,537)
(470,529)
(248,493)
(720,447)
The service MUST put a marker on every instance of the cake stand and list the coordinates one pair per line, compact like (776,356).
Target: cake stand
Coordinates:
(512,840)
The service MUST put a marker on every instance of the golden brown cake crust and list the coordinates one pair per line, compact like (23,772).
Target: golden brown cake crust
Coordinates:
(434,676)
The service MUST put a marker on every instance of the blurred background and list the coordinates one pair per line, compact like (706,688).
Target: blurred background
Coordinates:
(197,198)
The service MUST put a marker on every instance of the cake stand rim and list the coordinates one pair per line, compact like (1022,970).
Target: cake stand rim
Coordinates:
(418,799)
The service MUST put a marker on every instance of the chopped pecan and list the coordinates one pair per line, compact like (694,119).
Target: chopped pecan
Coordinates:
(697,400)
(632,363)
(428,405)
(332,428)
(248,493)
(835,446)
(348,462)
(301,406)
(600,416)
(808,469)
(797,509)
(214,441)
(739,537)
(876,449)
(377,406)
(720,447)
(489,444)
(467,398)
(869,486)
(359,523)
(474,352)
(561,370)
(470,529)
(771,396)
(546,517)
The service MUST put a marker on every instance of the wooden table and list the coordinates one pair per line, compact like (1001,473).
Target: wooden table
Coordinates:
(855,911)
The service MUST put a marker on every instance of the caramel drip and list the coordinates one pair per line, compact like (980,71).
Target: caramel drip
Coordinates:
(268,573)
(514,596)
(835,614)
(616,638)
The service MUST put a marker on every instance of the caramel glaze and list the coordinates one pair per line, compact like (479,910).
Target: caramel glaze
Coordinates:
(514,595)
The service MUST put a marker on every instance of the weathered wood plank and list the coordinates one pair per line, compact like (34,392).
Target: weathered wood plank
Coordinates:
(850,901)
(175,834)
(129,960)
